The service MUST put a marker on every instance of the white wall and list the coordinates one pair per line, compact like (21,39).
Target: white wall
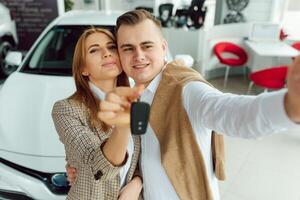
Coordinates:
(129,4)
(291,21)
(182,41)
(119,4)
(80,5)
(294,5)
(61,7)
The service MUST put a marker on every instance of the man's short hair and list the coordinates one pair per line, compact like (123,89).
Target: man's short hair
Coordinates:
(134,17)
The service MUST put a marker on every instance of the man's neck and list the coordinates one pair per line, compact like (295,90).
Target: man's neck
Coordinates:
(149,82)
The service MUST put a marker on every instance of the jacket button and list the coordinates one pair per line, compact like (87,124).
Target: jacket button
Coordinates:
(98,175)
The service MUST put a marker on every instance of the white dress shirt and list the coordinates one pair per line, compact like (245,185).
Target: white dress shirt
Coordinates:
(130,148)
(209,109)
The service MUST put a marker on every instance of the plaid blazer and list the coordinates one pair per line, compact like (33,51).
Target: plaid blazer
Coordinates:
(97,178)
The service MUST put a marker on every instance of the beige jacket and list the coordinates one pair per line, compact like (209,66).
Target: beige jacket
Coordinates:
(181,156)
(97,178)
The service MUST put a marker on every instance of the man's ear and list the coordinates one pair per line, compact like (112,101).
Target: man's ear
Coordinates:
(165,46)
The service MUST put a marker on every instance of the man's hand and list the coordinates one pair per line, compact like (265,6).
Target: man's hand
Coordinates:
(71,174)
(292,98)
(115,108)
(132,190)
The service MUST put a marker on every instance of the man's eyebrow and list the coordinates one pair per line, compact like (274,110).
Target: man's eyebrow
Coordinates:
(147,42)
(130,45)
(126,45)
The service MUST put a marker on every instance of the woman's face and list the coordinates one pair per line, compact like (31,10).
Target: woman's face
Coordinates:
(101,58)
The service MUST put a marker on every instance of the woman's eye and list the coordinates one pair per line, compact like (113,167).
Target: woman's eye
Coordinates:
(112,47)
(93,50)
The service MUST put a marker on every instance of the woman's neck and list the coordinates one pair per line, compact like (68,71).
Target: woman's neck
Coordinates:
(105,85)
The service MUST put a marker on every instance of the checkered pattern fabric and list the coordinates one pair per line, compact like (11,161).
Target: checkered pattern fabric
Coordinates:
(82,147)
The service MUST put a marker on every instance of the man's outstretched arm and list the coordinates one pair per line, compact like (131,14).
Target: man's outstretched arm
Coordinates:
(292,98)
(241,115)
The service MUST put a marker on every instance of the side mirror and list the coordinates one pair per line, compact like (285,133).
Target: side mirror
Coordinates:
(185,59)
(13,58)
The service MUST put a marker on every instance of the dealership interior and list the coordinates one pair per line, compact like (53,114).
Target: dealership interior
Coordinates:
(243,47)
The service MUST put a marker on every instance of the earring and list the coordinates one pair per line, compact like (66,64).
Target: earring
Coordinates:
(85,74)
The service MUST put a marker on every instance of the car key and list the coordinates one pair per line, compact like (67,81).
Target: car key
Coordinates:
(139,117)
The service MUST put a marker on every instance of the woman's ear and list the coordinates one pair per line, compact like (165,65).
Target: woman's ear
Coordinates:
(85,73)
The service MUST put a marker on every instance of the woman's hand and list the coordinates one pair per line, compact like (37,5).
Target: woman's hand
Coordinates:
(115,108)
(71,174)
(132,190)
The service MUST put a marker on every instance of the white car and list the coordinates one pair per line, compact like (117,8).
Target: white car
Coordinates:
(32,159)
(8,39)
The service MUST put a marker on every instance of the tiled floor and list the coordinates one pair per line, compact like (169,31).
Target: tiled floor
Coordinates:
(265,169)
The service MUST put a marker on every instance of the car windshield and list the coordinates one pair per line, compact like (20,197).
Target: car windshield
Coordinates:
(54,53)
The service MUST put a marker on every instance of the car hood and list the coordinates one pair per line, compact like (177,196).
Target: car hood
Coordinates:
(26,126)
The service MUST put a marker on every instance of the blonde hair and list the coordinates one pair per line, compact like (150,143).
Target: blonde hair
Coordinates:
(83,92)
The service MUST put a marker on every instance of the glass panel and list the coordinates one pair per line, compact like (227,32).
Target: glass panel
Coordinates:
(54,53)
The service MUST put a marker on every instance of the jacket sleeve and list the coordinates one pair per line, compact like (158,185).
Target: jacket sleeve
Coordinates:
(137,172)
(84,145)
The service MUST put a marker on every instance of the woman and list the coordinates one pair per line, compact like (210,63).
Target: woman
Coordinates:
(105,157)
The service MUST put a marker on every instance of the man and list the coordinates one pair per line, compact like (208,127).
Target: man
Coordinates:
(169,171)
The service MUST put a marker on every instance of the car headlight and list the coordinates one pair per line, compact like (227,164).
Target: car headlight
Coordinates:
(60,180)
(56,182)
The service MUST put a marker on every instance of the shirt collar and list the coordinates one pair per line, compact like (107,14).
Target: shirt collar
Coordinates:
(152,87)
(97,91)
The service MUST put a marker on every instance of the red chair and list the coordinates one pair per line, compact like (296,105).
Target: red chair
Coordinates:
(271,78)
(296,45)
(238,56)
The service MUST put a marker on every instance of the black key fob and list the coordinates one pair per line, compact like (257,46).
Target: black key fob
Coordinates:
(139,117)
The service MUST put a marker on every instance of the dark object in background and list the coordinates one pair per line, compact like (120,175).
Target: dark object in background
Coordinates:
(193,17)
(196,14)
(234,17)
(235,11)
(283,34)
(8,38)
(5,47)
(165,14)
(68,5)
(237,5)
(181,17)
(139,117)
(149,9)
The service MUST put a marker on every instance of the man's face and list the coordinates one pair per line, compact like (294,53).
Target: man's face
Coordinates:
(142,50)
